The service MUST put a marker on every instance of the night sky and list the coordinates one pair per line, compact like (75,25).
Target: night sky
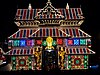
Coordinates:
(90,10)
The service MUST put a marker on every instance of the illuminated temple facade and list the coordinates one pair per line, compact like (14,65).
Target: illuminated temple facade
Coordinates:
(49,38)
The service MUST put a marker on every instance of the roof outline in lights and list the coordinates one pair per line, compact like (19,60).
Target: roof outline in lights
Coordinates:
(13,34)
(34,32)
(41,32)
(32,14)
(84,32)
(77,50)
(37,35)
(22,51)
(77,35)
(71,13)
(65,33)
(52,10)
(67,50)
(25,33)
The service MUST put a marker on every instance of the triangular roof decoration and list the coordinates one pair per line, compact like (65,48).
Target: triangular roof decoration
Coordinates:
(48,10)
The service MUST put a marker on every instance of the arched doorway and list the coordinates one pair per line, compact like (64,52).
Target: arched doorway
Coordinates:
(49,59)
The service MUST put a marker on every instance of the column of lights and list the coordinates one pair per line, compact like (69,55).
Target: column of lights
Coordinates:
(85,61)
(13,60)
(69,61)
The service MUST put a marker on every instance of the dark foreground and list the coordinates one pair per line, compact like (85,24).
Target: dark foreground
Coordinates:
(52,72)
(4,71)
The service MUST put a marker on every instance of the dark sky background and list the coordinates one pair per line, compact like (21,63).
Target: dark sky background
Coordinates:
(90,10)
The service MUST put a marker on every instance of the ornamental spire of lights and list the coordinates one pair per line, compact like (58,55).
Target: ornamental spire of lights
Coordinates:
(49,2)
(29,7)
(67,6)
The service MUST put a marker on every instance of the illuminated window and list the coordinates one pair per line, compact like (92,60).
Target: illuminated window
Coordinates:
(65,42)
(44,43)
(39,42)
(29,42)
(16,42)
(76,41)
(59,41)
(22,43)
(70,42)
(33,42)
(82,41)
(54,43)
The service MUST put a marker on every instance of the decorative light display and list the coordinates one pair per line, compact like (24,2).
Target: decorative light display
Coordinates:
(29,42)
(39,42)
(21,62)
(66,62)
(16,43)
(13,59)
(76,42)
(77,61)
(70,41)
(10,43)
(54,43)
(65,42)
(82,41)
(59,41)
(69,56)
(89,42)
(22,43)
(44,43)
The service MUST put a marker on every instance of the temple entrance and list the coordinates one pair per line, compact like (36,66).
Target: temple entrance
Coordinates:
(49,59)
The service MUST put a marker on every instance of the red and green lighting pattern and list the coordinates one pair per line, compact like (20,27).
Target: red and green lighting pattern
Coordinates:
(21,62)
(77,62)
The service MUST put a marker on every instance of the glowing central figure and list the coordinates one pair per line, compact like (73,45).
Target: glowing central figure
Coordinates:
(49,41)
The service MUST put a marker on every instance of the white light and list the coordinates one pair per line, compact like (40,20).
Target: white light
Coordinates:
(49,50)
(4,62)
(29,7)
(90,66)
(48,0)
(67,6)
